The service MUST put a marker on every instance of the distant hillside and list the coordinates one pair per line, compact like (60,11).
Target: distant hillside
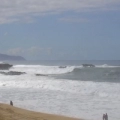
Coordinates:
(9,57)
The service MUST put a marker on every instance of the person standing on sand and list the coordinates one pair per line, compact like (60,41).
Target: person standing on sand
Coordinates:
(11,103)
(106,116)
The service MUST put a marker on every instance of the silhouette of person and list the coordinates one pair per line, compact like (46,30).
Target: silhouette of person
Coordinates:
(11,103)
(106,116)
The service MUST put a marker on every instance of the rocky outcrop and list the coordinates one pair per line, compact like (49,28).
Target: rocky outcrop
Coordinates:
(10,57)
(5,66)
(41,75)
(12,73)
(88,65)
(62,66)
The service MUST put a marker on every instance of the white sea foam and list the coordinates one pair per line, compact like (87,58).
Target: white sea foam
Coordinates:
(50,70)
(66,97)
(105,66)
(39,69)
(88,100)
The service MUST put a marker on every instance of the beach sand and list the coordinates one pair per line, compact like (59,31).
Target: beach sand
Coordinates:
(8,112)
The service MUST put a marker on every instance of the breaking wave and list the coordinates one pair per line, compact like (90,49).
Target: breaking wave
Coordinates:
(41,69)
(99,73)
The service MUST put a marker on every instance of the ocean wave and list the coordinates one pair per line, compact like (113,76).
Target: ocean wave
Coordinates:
(106,66)
(40,69)
(99,73)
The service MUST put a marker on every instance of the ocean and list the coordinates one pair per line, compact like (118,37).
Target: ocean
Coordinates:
(64,87)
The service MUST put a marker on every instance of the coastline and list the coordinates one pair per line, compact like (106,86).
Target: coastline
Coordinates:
(8,112)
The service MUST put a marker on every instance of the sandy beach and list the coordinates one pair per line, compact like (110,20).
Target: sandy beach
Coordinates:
(8,112)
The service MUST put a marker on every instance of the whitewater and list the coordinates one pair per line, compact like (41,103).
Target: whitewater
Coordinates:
(71,90)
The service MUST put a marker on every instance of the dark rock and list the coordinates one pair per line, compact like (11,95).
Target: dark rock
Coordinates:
(62,66)
(88,65)
(12,73)
(41,75)
(5,66)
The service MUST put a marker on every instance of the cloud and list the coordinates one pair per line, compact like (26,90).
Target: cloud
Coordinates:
(15,51)
(26,10)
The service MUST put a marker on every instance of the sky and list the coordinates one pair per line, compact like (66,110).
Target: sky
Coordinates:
(60,29)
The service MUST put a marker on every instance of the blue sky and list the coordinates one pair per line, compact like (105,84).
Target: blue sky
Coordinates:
(60,30)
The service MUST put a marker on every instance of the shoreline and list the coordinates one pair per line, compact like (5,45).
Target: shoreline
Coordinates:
(8,112)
